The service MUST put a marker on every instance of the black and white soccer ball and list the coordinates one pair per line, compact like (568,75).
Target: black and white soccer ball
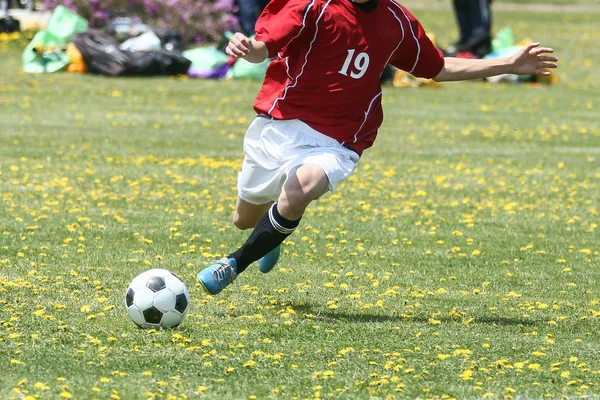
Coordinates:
(157,298)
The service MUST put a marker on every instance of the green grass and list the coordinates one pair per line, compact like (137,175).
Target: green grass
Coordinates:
(461,260)
(501,3)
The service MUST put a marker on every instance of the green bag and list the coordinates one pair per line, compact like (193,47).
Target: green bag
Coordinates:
(64,24)
(47,50)
(243,69)
(45,53)
(205,58)
(503,40)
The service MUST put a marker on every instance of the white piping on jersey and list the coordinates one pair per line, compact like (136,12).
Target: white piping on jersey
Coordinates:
(287,67)
(388,60)
(303,23)
(290,85)
(366,114)
(402,40)
(414,36)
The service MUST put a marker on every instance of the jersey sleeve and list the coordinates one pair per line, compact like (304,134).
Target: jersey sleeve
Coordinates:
(417,54)
(282,21)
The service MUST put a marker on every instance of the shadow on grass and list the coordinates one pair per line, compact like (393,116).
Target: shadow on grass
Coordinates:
(317,312)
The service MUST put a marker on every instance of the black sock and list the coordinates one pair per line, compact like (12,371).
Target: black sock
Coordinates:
(270,232)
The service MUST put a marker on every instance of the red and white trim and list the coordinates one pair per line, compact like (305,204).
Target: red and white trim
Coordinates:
(366,116)
(413,35)
(291,85)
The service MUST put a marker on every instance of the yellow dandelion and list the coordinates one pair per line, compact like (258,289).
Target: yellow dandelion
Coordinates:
(467,375)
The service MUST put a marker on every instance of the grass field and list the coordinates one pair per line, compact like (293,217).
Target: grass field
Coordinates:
(501,3)
(460,261)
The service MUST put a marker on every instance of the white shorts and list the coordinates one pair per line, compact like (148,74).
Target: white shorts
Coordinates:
(275,148)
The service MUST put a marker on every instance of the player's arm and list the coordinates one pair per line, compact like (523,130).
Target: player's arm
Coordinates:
(240,46)
(530,60)
(280,23)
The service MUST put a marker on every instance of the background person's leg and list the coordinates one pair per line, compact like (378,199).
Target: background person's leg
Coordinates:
(485,11)
(247,15)
(480,16)
(480,42)
(463,12)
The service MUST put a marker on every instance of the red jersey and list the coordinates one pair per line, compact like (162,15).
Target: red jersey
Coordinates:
(329,58)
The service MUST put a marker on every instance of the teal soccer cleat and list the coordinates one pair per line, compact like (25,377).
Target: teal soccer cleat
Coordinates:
(267,263)
(218,276)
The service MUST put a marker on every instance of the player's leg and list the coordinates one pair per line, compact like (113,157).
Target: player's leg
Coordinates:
(259,184)
(247,214)
(304,184)
(224,271)
(268,261)
(299,164)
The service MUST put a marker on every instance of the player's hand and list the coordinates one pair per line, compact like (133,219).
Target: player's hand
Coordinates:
(239,46)
(533,60)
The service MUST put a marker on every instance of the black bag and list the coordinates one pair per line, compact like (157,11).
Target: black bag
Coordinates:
(172,41)
(101,53)
(162,62)
(8,25)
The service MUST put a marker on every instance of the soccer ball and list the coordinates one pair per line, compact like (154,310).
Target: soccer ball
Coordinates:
(157,298)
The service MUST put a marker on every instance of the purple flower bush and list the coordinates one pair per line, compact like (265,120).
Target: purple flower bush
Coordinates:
(197,21)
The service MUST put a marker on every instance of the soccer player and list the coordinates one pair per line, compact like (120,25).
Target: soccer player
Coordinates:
(320,107)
